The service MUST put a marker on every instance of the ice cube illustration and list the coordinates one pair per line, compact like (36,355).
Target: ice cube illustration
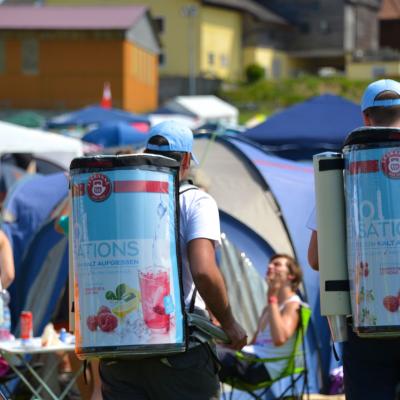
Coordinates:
(161,210)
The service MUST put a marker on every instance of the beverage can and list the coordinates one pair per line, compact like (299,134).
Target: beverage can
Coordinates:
(26,322)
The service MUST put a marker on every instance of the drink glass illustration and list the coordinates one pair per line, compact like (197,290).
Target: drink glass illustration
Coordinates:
(154,287)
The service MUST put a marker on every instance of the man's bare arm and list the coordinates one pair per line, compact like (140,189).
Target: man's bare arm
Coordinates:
(211,286)
(313,251)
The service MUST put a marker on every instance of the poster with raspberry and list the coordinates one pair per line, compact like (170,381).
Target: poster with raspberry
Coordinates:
(373,238)
(125,261)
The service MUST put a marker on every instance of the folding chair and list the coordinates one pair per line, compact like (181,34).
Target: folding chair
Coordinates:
(294,368)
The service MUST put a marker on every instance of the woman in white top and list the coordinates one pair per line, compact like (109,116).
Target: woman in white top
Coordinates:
(277,326)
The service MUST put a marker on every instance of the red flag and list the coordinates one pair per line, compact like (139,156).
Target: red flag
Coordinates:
(106,101)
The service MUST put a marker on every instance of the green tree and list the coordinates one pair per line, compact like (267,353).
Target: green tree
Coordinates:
(254,73)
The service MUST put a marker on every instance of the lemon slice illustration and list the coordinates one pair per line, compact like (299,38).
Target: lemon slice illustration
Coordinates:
(127,305)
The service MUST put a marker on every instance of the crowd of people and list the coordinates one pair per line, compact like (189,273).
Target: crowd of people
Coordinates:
(371,366)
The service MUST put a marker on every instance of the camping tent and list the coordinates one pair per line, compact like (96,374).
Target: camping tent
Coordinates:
(52,147)
(204,109)
(95,115)
(116,134)
(29,119)
(26,207)
(273,197)
(318,124)
(158,117)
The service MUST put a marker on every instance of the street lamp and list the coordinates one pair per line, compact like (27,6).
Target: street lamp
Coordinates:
(190,11)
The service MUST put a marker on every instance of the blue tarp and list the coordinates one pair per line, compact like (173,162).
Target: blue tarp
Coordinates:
(94,115)
(115,134)
(318,123)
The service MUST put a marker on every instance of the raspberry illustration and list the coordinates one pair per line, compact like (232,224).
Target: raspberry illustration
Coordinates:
(91,322)
(107,322)
(160,310)
(103,309)
(391,303)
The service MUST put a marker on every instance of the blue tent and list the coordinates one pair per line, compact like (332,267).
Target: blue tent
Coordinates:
(9,175)
(287,188)
(45,266)
(321,122)
(26,208)
(115,134)
(255,248)
(94,115)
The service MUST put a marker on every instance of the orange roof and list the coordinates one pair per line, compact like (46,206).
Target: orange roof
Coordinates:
(390,9)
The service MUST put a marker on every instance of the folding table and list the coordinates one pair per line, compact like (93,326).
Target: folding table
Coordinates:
(16,351)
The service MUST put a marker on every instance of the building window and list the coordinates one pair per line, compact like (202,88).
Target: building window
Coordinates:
(162,59)
(378,72)
(159,23)
(2,57)
(224,60)
(276,68)
(211,58)
(30,56)
(304,27)
(324,26)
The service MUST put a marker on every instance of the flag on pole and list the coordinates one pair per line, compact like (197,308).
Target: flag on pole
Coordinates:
(106,101)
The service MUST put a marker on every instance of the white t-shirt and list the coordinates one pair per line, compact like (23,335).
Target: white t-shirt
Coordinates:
(312,220)
(199,218)
(264,345)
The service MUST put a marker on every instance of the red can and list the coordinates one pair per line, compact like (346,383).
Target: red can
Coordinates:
(26,322)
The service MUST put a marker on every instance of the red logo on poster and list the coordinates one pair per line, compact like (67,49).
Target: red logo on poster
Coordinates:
(391,164)
(98,187)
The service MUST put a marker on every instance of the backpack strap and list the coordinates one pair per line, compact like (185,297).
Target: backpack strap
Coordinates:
(185,187)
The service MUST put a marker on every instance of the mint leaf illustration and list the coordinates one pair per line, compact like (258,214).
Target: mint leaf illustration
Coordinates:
(120,290)
(110,295)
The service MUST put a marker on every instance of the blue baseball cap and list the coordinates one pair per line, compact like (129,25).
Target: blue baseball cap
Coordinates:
(376,88)
(178,135)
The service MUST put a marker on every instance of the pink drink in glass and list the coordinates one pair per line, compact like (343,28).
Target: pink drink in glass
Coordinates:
(154,286)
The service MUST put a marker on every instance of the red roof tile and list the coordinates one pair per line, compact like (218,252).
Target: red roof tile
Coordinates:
(390,9)
(55,17)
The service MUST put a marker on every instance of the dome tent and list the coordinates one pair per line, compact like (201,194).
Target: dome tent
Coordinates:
(318,124)
(114,134)
(273,198)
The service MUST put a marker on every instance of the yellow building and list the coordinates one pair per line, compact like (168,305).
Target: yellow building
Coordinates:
(197,39)
(276,63)
(372,69)
(60,57)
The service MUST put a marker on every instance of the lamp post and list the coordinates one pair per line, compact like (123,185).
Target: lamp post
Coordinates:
(190,11)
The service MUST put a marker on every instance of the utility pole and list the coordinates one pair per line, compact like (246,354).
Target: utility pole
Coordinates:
(190,11)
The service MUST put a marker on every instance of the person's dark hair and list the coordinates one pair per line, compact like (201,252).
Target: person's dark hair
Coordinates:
(158,140)
(384,116)
(294,269)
